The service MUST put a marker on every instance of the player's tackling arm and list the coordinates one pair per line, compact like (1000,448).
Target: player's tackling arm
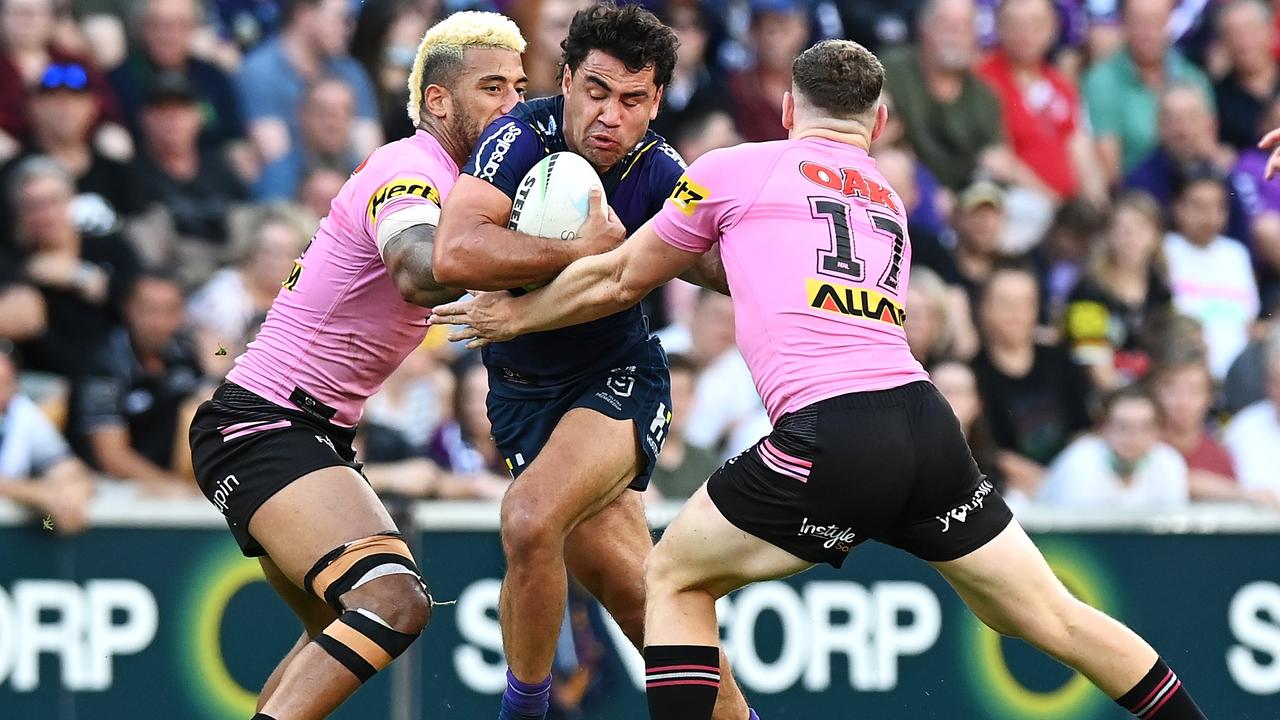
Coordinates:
(474,249)
(590,288)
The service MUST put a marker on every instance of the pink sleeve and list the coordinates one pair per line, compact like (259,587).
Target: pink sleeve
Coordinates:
(699,207)
(388,188)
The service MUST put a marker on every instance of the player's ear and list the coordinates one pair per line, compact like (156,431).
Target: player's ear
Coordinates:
(566,78)
(657,104)
(882,119)
(788,110)
(437,101)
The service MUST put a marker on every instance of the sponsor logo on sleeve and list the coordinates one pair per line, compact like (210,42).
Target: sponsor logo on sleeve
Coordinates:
(400,187)
(501,139)
(687,194)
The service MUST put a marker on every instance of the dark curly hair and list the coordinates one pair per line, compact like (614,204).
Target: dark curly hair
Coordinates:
(628,32)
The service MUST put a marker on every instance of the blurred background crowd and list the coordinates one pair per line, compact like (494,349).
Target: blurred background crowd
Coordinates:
(1096,253)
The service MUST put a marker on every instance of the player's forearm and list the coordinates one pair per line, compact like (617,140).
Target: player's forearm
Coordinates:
(588,289)
(409,261)
(27,493)
(491,257)
(708,272)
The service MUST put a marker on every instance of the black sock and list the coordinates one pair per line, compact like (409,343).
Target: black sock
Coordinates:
(681,681)
(261,716)
(1160,696)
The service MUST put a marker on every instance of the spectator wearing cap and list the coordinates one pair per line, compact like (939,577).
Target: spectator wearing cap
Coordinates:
(1123,465)
(27,50)
(127,412)
(194,184)
(694,93)
(977,224)
(274,79)
(327,122)
(1211,274)
(37,469)
(950,117)
(1041,108)
(1122,92)
(1034,395)
(164,32)
(779,32)
(63,113)
(1248,35)
(82,279)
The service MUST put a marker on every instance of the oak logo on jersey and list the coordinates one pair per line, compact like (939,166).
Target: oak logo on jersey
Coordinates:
(687,194)
(848,182)
(399,188)
(854,302)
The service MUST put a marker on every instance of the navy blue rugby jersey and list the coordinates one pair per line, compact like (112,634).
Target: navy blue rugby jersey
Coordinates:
(636,187)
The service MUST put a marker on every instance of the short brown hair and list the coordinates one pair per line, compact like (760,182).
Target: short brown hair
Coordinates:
(840,77)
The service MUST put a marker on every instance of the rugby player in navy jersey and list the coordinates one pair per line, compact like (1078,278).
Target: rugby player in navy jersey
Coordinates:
(579,413)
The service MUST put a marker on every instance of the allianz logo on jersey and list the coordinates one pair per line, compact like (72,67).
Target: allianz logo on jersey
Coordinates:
(833,536)
(504,136)
(854,302)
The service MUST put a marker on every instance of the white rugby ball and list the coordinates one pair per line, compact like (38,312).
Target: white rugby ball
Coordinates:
(552,199)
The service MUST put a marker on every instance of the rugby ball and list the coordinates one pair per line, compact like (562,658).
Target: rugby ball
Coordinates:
(552,199)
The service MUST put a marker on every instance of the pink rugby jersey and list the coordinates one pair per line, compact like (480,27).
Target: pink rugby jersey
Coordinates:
(815,247)
(339,327)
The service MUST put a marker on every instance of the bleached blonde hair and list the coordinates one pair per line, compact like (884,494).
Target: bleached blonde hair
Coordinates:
(442,48)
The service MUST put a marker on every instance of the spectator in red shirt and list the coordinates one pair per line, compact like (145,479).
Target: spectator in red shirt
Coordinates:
(1040,105)
(1184,391)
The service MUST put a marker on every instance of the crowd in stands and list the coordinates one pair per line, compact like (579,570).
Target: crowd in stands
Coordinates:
(1096,250)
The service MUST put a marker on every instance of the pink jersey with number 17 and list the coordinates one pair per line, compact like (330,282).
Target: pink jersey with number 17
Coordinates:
(815,247)
(339,327)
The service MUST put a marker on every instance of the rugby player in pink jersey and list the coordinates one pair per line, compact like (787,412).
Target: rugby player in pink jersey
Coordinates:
(272,449)
(863,447)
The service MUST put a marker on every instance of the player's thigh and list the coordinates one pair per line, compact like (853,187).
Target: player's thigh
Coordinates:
(702,550)
(313,515)
(314,613)
(607,551)
(1006,582)
(584,466)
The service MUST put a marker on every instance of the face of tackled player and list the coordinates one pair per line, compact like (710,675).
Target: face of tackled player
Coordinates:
(490,83)
(607,108)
